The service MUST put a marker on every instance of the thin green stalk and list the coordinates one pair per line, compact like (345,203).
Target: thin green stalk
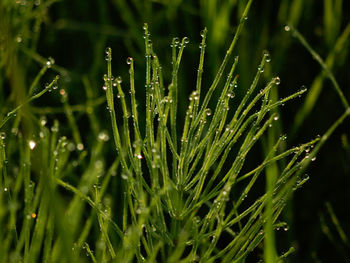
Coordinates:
(317,57)
(36,96)
(110,102)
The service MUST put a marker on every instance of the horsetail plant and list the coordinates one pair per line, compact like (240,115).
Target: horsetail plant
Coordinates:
(181,190)
(178,188)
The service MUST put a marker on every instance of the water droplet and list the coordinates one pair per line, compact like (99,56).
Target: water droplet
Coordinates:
(50,61)
(305,177)
(97,186)
(54,86)
(129,60)
(108,52)
(277,80)
(43,121)
(287,28)
(5,189)
(62,92)
(267,56)
(203,32)
(231,95)
(145,26)
(303,89)
(3,135)
(19,39)
(139,156)
(104,87)
(32,144)
(119,79)
(313,159)
(103,136)
(166,99)
(186,40)
(149,43)
(176,41)
(208,111)
(275,118)
(80,146)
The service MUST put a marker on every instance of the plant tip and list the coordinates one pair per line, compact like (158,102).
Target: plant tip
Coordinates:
(186,40)
(145,26)
(129,60)
(277,80)
(50,61)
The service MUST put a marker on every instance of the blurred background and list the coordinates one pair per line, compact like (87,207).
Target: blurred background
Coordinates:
(76,33)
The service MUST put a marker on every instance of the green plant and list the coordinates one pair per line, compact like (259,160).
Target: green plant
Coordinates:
(179,185)
(175,190)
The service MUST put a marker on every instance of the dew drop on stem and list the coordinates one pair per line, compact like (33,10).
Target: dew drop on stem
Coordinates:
(103,136)
(129,60)
(186,40)
(267,56)
(208,112)
(277,80)
(145,26)
(108,51)
(176,41)
(50,61)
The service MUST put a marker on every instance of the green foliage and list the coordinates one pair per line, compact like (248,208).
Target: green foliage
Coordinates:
(170,179)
